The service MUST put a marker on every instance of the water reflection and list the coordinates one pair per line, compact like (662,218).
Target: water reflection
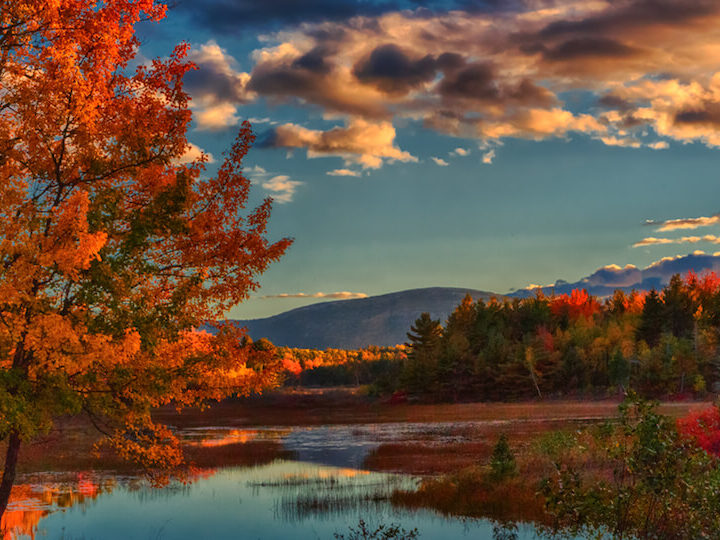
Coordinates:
(279,500)
(242,490)
(41,495)
(211,437)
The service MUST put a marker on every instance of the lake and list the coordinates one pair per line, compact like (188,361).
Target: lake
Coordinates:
(321,491)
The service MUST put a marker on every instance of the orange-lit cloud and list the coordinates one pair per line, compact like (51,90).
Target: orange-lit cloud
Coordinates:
(362,142)
(651,65)
(193,153)
(652,241)
(344,172)
(687,223)
(217,87)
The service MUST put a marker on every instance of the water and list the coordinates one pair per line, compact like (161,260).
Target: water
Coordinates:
(322,492)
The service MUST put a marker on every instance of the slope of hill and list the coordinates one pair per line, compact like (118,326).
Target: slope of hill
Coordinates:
(349,324)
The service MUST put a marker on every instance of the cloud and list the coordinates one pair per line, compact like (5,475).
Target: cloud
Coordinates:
(605,280)
(614,275)
(462,152)
(440,162)
(687,223)
(215,116)
(368,144)
(650,241)
(344,172)
(264,120)
(216,86)
(229,16)
(626,142)
(290,73)
(488,157)
(193,153)
(589,47)
(281,187)
(342,295)
(487,70)
(390,69)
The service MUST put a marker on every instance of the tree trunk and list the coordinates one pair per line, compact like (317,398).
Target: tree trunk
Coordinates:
(8,477)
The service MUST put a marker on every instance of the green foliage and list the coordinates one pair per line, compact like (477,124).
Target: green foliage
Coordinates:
(554,444)
(660,485)
(652,319)
(421,364)
(381,532)
(551,346)
(502,461)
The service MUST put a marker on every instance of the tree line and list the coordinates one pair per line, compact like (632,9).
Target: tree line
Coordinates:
(658,343)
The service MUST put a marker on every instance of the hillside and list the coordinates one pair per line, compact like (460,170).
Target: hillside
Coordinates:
(349,324)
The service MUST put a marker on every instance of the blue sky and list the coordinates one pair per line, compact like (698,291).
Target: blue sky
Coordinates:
(486,145)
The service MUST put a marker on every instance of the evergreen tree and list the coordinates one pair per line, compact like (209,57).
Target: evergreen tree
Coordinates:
(424,344)
(679,308)
(619,369)
(651,320)
(502,461)
(456,360)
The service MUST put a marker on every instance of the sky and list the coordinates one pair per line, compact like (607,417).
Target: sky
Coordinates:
(461,143)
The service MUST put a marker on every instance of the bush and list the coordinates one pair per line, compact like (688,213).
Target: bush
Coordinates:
(502,461)
(660,484)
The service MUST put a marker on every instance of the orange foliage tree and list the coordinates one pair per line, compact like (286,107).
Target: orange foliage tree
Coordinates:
(114,246)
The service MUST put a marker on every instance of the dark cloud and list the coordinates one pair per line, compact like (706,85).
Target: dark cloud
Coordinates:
(209,81)
(314,60)
(231,15)
(611,101)
(391,70)
(708,115)
(478,82)
(626,15)
(475,81)
(589,47)
(285,80)
(308,79)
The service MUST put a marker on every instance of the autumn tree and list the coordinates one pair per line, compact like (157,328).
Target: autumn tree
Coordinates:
(114,246)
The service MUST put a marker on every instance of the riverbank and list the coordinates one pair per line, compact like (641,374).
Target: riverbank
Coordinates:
(456,436)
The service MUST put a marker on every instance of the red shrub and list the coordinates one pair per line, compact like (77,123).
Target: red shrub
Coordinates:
(703,428)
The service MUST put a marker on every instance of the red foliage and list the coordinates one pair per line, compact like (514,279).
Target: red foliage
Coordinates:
(578,304)
(635,301)
(703,428)
(703,287)
(547,339)
(291,365)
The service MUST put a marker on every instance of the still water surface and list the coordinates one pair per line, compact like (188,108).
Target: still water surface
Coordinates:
(322,492)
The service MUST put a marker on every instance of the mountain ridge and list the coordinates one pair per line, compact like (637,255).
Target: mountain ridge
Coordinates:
(381,320)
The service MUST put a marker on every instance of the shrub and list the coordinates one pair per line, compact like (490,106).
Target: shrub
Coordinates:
(502,461)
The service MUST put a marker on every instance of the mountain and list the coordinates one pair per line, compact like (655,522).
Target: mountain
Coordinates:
(384,320)
(351,324)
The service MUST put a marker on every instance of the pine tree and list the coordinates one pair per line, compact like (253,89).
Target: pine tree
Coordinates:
(424,344)
(651,323)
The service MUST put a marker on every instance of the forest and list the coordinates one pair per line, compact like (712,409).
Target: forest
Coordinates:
(658,343)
